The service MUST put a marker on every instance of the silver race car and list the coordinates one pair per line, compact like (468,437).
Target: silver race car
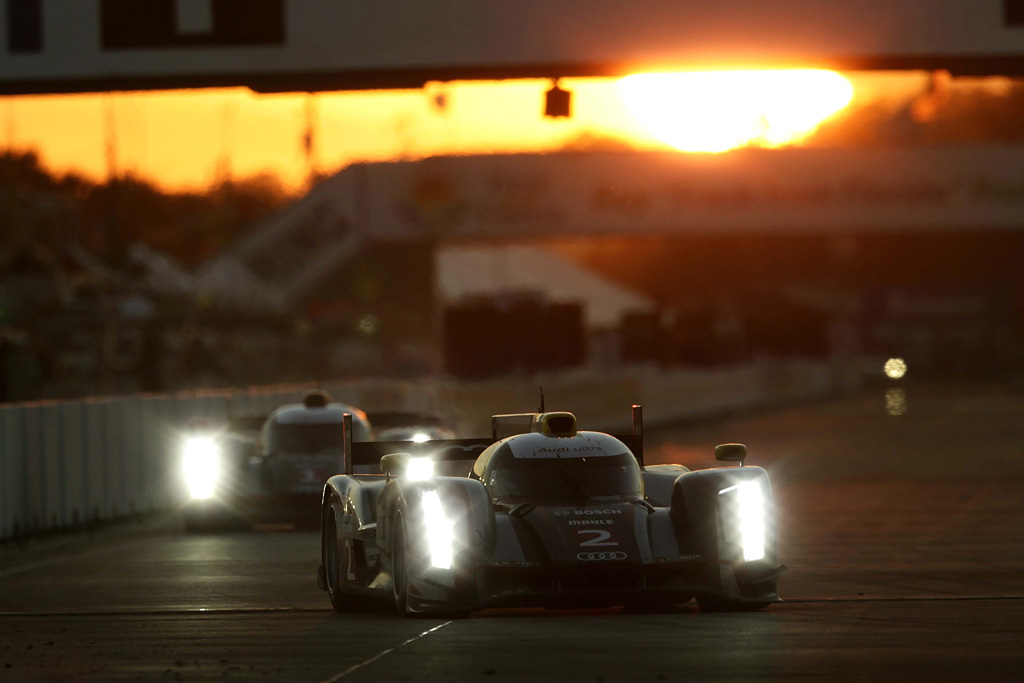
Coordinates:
(545,515)
(267,469)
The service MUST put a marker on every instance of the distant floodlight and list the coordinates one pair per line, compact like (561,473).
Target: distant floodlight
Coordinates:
(895,368)
(368,324)
(557,102)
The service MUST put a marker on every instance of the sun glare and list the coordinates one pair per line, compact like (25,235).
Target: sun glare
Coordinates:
(718,111)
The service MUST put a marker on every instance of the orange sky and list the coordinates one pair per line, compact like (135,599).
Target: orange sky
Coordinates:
(178,139)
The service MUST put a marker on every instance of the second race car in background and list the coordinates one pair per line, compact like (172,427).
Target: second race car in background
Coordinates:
(271,468)
(240,475)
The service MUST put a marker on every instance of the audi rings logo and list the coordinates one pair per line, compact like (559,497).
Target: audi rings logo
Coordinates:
(596,557)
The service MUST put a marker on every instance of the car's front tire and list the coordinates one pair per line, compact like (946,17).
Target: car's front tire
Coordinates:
(336,559)
(332,563)
(400,565)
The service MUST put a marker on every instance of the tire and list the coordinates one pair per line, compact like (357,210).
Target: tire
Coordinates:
(400,565)
(336,559)
(719,604)
(332,563)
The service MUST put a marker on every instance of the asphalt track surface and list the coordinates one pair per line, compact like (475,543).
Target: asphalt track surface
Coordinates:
(904,535)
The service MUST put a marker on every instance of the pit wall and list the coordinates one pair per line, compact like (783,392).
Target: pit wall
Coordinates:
(71,464)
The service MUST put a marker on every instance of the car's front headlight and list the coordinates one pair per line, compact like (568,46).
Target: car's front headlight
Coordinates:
(439,530)
(743,506)
(201,466)
(419,469)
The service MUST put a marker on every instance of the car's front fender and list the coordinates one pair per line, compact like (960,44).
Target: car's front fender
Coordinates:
(465,500)
(703,517)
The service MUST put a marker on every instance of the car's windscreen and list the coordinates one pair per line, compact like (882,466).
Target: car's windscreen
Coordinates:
(305,437)
(566,478)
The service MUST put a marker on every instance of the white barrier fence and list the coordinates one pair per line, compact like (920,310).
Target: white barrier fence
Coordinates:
(68,464)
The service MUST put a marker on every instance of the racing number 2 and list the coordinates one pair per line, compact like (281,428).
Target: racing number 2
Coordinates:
(600,537)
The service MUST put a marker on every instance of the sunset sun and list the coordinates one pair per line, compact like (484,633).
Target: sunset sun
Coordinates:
(718,111)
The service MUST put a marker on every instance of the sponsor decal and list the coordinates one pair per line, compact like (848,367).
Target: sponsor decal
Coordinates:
(562,452)
(581,522)
(567,513)
(350,568)
(537,446)
(601,556)
(569,449)
(514,563)
(679,558)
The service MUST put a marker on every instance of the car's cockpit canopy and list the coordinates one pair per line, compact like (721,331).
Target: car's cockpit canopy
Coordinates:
(542,465)
(313,426)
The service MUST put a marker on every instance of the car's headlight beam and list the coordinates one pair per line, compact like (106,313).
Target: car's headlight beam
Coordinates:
(201,466)
(439,531)
(749,518)
(419,469)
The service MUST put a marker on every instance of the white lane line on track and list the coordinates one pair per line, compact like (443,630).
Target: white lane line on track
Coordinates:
(371,660)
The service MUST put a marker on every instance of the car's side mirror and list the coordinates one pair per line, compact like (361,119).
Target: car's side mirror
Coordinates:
(731,452)
(394,464)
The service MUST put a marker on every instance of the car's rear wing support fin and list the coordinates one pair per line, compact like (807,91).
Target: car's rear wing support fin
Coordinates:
(635,440)
(346,421)
(638,433)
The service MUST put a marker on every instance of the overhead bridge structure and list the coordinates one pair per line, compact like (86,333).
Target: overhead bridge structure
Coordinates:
(304,45)
(496,198)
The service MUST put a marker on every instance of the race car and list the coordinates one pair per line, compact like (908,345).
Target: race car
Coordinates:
(239,476)
(545,515)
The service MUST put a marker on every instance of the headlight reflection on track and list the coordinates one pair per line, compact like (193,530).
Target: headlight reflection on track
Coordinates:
(201,467)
